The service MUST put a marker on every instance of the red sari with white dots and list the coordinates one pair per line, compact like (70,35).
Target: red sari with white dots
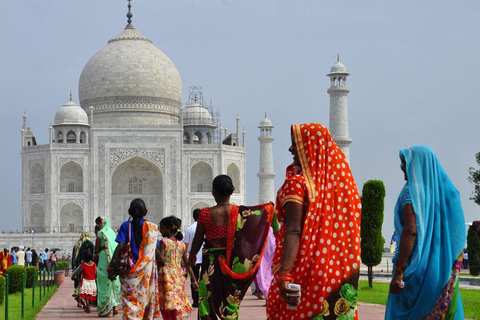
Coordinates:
(328,259)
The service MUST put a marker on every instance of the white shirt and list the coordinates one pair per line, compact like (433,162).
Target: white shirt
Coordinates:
(189,235)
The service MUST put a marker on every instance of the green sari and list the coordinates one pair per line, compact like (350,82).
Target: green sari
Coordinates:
(108,292)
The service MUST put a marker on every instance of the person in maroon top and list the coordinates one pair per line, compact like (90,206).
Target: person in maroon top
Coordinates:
(235,238)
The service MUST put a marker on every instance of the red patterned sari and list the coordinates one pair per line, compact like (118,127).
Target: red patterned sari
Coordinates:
(328,259)
(228,272)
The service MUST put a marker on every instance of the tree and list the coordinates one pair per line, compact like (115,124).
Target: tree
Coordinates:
(373,195)
(473,249)
(474,178)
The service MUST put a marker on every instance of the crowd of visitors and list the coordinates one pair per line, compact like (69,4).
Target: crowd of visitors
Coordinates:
(24,256)
(303,254)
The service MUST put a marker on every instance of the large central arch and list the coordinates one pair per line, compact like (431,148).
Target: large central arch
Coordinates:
(136,178)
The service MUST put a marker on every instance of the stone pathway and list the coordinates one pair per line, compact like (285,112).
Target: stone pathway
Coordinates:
(63,306)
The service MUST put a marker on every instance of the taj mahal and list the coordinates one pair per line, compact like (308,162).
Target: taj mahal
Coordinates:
(130,137)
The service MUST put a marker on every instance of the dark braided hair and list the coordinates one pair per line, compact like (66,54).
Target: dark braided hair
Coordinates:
(173,223)
(223,185)
(137,211)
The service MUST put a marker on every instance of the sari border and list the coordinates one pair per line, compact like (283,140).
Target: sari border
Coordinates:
(142,247)
(307,174)
(269,208)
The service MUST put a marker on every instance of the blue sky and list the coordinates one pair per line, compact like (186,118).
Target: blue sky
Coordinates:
(414,68)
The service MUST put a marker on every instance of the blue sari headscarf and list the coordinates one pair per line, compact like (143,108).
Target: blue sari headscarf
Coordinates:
(440,236)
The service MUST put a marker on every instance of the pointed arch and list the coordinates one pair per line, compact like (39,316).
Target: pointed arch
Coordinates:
(37,178)
(234,172)
(60,137)
(83,137)
(37,218)
(71,137)
(201,177)
(71,218)
(200,205)
(71,177)
(136,177)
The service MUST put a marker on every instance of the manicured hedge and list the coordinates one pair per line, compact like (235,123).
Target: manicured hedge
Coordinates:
(32,277)
(15,278)
(2,289)
(62,265)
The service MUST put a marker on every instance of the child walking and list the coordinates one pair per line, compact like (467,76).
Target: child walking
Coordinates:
(88,287)
(174,303)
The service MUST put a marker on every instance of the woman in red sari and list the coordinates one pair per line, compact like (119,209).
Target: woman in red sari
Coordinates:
(5,261)
(318,244)
(235,238)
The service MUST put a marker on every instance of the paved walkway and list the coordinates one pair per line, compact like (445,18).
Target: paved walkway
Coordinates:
(63,306)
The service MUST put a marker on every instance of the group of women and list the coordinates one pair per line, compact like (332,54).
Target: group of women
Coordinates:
(107,291)
(316,261)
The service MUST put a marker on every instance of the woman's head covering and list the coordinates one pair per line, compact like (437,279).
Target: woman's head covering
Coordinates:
(108,236)
(440,227)
(332,220)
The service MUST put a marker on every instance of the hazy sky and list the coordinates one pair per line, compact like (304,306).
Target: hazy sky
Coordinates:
(414,67)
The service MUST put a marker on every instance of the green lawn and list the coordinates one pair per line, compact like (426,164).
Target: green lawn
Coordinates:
(379,293)
(15,303)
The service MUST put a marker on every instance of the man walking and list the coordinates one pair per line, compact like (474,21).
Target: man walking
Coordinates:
(189,235)
(43,258)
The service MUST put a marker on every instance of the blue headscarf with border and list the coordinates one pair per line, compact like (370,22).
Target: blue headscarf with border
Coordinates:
(440,238)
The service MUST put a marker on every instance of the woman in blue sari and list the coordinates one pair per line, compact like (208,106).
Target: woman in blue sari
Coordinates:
(430,221)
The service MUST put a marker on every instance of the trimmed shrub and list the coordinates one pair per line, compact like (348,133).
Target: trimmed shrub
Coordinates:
(15,278)
(475,265)
(62,265)
(32,277)
(373,195)
(473,243)
(2,289)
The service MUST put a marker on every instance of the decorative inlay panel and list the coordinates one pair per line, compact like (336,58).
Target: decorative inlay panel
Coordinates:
(117,155)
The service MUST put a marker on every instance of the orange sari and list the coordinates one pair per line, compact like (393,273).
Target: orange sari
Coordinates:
(328,259)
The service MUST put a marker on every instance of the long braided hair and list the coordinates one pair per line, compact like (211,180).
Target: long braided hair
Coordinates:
(137,211)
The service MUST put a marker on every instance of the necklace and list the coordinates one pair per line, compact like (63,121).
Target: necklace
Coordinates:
(223,204)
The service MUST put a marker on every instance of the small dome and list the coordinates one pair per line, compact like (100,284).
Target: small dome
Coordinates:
(71,114)
(266,123)
(196,114)
(338,67)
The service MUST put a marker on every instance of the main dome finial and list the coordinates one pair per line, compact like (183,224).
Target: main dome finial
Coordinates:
(129,14)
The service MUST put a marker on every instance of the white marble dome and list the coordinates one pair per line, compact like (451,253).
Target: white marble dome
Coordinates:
(131,81)
(338,67)
(196,114)
(266,122)
(71,114)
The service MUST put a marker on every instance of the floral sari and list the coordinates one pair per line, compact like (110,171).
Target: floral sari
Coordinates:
(328,259)
(139,287)
(228,272)
(108,292)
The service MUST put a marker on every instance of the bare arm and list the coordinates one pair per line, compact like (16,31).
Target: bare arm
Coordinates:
(190,271)
(291,243)
(116,253)
(76,272)
(196,244)
(97,249)
(407,239)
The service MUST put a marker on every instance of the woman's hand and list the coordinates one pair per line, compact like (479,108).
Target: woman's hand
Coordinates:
(192,261)
(397,285)
(72,277)
(195,286)
(290,296)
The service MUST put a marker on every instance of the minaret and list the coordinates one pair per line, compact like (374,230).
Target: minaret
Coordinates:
(338,92)
(265,174)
